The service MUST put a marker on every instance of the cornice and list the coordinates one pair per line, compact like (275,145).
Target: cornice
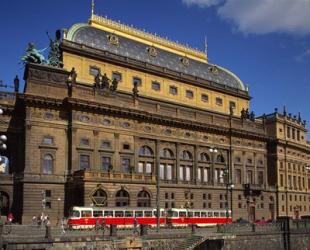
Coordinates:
(160,119)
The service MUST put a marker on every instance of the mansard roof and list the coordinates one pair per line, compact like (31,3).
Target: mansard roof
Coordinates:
(97,38)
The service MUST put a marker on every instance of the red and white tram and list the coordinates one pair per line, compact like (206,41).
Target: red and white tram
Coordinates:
(86,217)
(179,217)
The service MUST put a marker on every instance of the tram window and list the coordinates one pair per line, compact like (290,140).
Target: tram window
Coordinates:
(190,214)
(108,213)
(182,214)
(171,213)
(216,214)
(210,214)
(138,214)
(222,214)
(97,213)
(197,214)
(119,213)
(128,213)
(148,213)
(75,213)
(203,214)
(86,213)
(162,213)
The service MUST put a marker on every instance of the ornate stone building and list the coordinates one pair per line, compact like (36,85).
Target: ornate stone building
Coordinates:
(131,115)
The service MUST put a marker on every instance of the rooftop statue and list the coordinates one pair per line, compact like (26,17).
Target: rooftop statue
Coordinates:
(33,55)
(54,56)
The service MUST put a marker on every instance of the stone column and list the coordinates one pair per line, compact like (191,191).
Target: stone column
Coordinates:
(96,151)
(177,161)
(195,166)
(116,161)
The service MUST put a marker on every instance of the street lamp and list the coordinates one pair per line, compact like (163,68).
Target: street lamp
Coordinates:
(213,151)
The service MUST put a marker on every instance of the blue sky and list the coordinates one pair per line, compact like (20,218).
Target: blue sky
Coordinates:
(265,42)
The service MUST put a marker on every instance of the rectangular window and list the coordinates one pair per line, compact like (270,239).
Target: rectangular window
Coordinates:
(162,171)
(219,101)
(148,168)
(298,135)
(290,181)
(140,167)
(199,174)
(126,165)
(294,182)
(48,204)
(105,163)
(126,146)
(249,176)
(117,76)
(281,180)
(84,142)
(155,85)
(238,176)
(48,193)
(94,71)
(84,161)
(288,132)
(48,140)
(189,94)
(206,174)
(169,172)
(137,80)
(293,134)
(181,173)
(106,144)
(173,90)
(188,173)
(204,98)
(260,178)
(232,105)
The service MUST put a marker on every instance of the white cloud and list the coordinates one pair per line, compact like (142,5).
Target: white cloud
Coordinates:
(264,16)
(303,56)
(202,3)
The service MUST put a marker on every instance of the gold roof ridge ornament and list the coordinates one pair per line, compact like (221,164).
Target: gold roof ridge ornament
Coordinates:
(151,39)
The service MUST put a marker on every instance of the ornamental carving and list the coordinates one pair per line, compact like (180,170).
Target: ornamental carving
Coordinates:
(185,61)
(152,51)
(113,39)
(214,70)
(52,77)
(105,86)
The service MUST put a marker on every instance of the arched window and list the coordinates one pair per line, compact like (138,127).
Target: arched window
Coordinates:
(146,151)
(204,157)
(99,197)
(166,153)
(220,158)
(144,199)
(122,198)
(186,155)
(48,162)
